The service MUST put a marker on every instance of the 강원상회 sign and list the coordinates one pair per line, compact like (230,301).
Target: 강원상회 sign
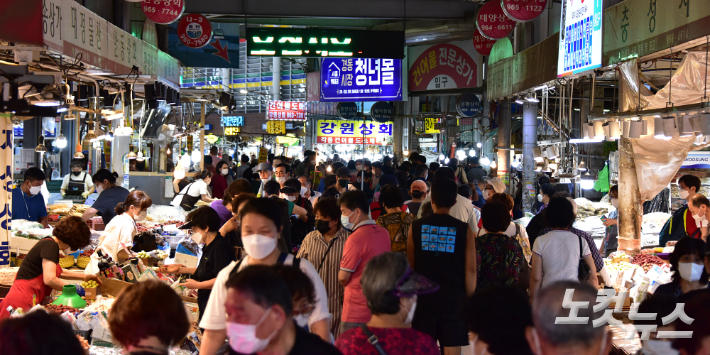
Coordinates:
(354,132)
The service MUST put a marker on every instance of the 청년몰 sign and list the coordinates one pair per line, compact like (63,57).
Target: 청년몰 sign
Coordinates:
(361,79)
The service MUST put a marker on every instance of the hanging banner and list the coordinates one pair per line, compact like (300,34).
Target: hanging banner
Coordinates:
(361,79)
(580,46)
(443,66)
(482,44)
(523,10)
(263,155)
(6,160)
(492,22)
(194,31)
(354,132)
(286,110)
(163,11)
(222,52)
(313,86)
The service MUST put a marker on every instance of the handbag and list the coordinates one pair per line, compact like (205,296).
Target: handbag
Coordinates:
(583,269)
(525,269)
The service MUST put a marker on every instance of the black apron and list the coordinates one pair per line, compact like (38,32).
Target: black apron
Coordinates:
(76,188)
(188,202)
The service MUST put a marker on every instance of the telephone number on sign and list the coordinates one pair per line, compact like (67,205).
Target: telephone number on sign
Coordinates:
(163,12)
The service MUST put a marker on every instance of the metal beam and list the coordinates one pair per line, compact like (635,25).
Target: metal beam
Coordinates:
(371,9)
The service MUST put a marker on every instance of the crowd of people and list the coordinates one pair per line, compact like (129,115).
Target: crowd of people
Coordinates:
(365,257)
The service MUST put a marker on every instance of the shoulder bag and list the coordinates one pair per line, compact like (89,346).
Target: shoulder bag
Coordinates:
(372,339)
(525,269)
(583,269)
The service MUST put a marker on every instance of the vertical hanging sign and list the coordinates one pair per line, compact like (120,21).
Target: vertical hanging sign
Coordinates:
(163,11)
(6,194)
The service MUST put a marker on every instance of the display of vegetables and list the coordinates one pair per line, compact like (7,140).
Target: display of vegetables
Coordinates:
(90,284)
(60,309)
(647,261)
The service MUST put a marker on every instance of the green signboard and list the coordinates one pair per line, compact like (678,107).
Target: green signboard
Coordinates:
(319,42)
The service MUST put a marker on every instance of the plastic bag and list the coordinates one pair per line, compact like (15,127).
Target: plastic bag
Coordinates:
(657,162)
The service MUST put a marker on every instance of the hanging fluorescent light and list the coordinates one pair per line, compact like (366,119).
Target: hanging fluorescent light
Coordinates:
(519,100)
(196,156)
(61,141)
(532,97)
(441,157)
(582,166)
(494,165)
(658,127)
(586,183)
(485,161)
(446,161)
(478,145)
(686,127)
(405,153)
(471,153)
(635,128)
(139,156)
(47,103)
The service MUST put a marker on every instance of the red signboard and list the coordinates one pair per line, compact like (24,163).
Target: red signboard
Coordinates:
(286,111)
(492,22)
(194,31)
(523,10)
(442,66)
(482,44)
(24,21)
(163,11)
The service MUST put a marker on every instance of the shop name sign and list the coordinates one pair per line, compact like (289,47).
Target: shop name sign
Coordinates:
(580,47)
(637,28)
(232,121)
(353,132)
(696,161)
(320,42)
(362,79)
(286,110)
(443,66)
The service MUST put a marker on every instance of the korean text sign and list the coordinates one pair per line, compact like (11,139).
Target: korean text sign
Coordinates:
(361,79)
(443,66)
(580,47)
(353,132)
(286,110)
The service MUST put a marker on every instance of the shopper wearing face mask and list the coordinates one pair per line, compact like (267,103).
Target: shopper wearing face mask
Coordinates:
(324,249)
(699,207)
(259,309)
(391,288)
(117,238)
(688,269)
(344,184)
(27,201)
(300,227)
(366,241)
(610,242)
(77,184)
(204,223)
(220,180)
(282,172)
(260,229)
(662,306)
(547,336)
(682,223)
(265,172)
(40,271)
(195,191)
(110,195)
(306,190)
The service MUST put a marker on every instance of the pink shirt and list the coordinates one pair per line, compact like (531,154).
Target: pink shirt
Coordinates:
(367,241)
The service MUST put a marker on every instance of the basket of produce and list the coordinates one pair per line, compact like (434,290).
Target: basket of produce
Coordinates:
(646,261)
(91,289)
(84,258)
(66,262)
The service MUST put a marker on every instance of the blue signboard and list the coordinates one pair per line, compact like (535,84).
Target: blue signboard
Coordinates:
(468,105)
(381,111)
(361,79)
(221,52)
(233,121)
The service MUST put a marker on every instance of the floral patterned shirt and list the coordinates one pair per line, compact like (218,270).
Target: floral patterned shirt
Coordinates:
(397,224)
(499,260)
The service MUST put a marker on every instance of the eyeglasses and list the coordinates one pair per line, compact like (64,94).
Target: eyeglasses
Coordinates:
(306,310)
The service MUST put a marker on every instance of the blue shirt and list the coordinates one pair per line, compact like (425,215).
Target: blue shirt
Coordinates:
(27,207)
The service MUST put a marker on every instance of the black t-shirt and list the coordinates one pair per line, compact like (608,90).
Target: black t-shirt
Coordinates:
(31,266)
(286,232)
(107,201)
(331,192)
(307,344)
(440,255)
(535,226)
(215,257)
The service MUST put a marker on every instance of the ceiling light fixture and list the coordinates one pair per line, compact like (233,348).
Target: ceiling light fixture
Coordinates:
(78,154)
(41,147)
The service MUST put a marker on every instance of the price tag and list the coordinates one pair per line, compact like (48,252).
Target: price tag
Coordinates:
(163,11)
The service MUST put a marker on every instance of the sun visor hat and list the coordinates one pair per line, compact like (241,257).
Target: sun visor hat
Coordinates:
(187,225)
(288,190)
(412,284)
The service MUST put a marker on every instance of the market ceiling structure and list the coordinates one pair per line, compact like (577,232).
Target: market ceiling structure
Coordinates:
(428,21)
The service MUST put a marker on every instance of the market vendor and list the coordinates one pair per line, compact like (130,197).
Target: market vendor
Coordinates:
(40,271)
(611,232)
(217,253)
(27,201)
(194,191)
(110,195)
(77,183)
(117,239)
(682,223)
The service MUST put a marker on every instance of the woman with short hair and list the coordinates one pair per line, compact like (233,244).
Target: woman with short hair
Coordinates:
(194,192)
(394,219)
(110,195)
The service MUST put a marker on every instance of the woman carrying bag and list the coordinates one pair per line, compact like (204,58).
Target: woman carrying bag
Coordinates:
(194,192)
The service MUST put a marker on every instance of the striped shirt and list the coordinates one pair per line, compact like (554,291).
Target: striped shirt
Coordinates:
(313,249)
(598,261)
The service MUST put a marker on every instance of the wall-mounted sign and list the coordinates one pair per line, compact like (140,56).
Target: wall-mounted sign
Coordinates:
(276,127)
(221,52)
(232,121)
(431,125)
(313,86)
(232,131)
(194,31)
(347,110)
(580,46)
(482,44)
(523,10)
(208,127)
(286,110)
(163,11)
(468,105)
(354,132)
(361,79)
(321,42)
(287,141)
(443,66)
(381,111)
(492,22)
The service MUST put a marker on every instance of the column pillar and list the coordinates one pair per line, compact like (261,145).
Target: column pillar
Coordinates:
(276,71)
(529,140)
(504,142)
(630,208)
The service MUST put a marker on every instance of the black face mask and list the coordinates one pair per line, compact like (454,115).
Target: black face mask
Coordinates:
(343,183)
(417,194)
(76,173)
(322,226)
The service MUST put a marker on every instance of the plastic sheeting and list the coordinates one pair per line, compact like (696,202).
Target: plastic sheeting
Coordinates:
(657,162)
(687,85)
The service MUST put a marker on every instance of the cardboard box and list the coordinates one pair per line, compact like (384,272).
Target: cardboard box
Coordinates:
(113,287)
(91,293)
(187,260)
(131,273)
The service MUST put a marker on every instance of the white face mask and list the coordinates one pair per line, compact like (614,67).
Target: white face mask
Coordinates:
(225,171)
(684,194)
(141,216)
(304,190)
(658,347)
(99,189)
(34,190)
(345,221)
(690,271)
(539,198)
(290,198)
(700,220)
(615,202)
(242,337)
(281,179)
(358,167)
(196,237)
(264,181)
(258,246)
(410,314)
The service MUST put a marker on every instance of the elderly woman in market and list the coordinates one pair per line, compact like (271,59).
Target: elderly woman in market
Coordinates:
(40,271)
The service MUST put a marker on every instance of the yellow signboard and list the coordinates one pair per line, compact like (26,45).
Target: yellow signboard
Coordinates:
(232,131)
(287,140)
(354,132)
(430,125)
(263,154)
(276,127)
